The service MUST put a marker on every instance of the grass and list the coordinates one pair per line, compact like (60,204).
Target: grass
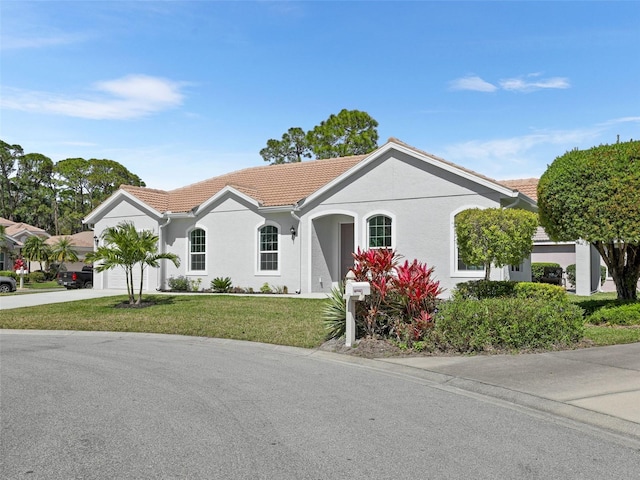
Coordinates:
(42,285)
(602,335)
(283,321)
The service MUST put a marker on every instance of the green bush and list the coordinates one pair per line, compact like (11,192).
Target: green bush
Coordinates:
(628,314)
(537,270)
(221,285)
(37,277)
(506,323)
(571,274)
(480,289)
(9,273)
(265,288)
(540,291)
(179,284)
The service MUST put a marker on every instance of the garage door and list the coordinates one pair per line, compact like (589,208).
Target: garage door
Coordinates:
(116,279)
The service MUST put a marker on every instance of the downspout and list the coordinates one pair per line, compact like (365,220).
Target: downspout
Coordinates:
(296,217)
(162,250)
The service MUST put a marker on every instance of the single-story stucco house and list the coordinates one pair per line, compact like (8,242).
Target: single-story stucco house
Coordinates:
(297,224)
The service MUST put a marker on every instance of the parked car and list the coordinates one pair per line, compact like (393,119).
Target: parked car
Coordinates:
(82,279)
(7,284)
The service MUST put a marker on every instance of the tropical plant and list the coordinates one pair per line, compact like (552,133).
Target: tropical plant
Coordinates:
(403,296)
(495,236)
(221,285)
(125,247)
(179,284)
(594,195)
(36,250)
(63,251)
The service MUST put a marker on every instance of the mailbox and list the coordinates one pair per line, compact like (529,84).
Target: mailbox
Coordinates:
(357,289)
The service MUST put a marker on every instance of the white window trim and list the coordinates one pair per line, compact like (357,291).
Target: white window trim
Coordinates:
(256,249)
(365,225)
(453,248)
(206,251)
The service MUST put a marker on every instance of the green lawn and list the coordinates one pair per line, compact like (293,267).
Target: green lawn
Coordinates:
(283,321)
(601,334)
(278,320)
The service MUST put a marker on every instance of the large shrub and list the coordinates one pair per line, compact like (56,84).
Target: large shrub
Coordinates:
(540,291)
(9,273)
(628,314)
(480,289)
(506,323)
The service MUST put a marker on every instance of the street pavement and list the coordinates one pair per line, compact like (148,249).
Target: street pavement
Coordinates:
(595,386)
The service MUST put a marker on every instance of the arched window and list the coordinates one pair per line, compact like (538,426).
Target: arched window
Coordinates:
(379,230)
(268,248)
(197,250)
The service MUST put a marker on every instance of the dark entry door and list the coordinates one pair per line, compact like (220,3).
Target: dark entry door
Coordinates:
(346,248)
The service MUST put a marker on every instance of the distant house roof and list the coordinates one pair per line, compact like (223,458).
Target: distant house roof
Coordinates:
(78,240)
(527,186)
(270,185)
(13,229)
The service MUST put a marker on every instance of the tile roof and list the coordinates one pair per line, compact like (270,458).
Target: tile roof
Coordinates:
(270,185)
(527,186)
(19,227)
(80,239)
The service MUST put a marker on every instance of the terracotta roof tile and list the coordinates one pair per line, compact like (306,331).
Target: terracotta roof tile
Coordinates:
(270,185)
(80,239)
(527,186)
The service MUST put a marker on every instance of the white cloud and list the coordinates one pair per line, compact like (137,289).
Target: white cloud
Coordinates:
(528,83)
(473,83)
(521,85)
(128,97)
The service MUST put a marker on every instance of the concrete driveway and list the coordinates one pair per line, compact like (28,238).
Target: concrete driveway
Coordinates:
(57,296)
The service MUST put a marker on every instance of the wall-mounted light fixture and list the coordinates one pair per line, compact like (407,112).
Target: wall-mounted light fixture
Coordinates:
(293,231)
(96,240)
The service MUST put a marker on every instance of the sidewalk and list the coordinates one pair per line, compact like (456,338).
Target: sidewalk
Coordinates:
(598,386)
(57,296)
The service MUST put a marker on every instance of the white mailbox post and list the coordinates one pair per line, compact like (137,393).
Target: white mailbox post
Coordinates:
(353,292)
(21,272)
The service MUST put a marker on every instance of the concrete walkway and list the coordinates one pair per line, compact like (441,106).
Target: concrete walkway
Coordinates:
(598,386)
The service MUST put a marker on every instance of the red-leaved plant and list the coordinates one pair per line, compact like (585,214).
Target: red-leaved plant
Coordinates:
(403,297)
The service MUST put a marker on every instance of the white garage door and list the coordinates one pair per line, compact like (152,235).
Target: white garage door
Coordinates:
(116,279)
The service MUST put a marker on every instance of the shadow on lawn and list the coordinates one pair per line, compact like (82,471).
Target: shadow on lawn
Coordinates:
(147,301)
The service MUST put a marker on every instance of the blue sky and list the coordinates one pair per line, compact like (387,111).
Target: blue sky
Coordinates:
(181,91)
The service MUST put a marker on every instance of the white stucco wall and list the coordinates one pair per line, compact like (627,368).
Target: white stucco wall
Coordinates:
(419,198)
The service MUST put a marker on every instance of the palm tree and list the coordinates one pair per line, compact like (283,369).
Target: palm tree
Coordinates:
(36,250)
(125,247)
(63,251)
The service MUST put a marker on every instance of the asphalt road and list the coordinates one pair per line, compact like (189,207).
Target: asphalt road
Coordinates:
(94,405)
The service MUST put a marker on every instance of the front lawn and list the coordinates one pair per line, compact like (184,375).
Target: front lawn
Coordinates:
(283,321)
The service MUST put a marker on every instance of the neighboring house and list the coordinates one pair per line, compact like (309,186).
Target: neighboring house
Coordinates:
(17,234)
(297,224)
(563,253)
(81,242)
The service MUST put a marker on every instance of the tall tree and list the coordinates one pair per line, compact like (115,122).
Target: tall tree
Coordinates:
(9,156)
(350,132)
(494,236)
(290,149)
(125,247)
(594,195)
(36,195)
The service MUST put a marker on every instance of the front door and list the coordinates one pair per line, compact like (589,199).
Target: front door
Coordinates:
(346,249)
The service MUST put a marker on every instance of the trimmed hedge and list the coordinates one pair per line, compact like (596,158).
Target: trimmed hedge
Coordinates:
(627,314)
(541,291)
(506,323)
(537,270)
(571,274)
(481,289)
